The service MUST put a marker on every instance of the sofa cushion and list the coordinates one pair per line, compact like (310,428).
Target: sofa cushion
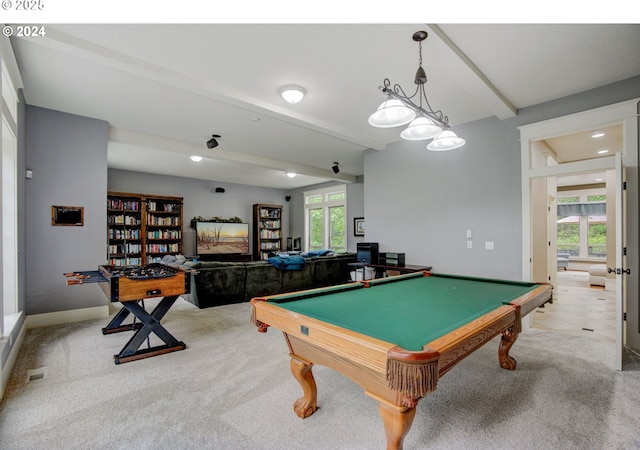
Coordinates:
(262,279)
(218,284)
(330,270)
(597,274)
(298,280)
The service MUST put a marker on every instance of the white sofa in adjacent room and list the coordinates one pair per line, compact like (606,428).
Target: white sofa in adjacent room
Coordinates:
(597,274)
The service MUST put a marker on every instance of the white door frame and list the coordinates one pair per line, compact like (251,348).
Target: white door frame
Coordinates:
(624,113)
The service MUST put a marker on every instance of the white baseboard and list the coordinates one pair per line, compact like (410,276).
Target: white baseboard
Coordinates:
(60,317)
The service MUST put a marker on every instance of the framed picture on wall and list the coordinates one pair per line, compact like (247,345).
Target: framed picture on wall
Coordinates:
(69,216)
(358,226)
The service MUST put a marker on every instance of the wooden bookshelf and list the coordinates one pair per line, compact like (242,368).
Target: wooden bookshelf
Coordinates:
(267,230)
(141,229)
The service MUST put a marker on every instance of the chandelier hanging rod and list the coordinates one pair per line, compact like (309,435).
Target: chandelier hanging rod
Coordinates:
(398,93)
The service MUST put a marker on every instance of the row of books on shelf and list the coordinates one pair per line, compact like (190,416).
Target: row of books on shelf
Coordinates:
(124,248)
(163,221)
(164,234)
(126,233)
(123,219)
(275,213)
(164,207)
(127,205)
(270,223)
(270,234)
(270,246)
(163,248)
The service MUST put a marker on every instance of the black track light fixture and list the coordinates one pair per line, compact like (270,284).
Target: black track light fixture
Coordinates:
(335,167)
(212,143)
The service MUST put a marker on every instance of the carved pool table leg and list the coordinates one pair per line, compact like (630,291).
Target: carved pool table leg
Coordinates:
(506,342)
(308,403)
(397,423)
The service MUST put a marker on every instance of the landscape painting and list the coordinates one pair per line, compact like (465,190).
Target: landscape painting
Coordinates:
(222,238)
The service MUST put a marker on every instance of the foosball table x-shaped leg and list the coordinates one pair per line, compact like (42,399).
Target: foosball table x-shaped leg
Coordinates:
(150,323)
(116,326)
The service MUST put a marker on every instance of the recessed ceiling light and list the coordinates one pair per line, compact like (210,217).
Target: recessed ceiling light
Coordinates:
(599,179)
(196,158)
(597,134)
(292,93)
(602,152)
(291,174)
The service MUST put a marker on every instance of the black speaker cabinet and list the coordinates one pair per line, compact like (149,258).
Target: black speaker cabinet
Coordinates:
(367,252)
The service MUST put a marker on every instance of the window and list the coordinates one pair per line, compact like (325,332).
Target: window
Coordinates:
(582,229)
(325,219)
(8,202)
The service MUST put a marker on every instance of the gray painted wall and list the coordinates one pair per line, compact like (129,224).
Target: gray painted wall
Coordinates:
(68,156)
(422,202)
(236,201)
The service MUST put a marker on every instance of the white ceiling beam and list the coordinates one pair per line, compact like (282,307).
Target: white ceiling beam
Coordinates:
(474,81)
(145,140)
(206,88)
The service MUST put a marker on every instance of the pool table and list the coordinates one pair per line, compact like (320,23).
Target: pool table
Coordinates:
(395,337)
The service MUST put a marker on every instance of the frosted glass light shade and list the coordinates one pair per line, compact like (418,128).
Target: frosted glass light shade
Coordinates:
(292,93)
(391,113)
(421,128)
(447,140)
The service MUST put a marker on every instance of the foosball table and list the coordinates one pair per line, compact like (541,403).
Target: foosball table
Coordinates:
(131,286)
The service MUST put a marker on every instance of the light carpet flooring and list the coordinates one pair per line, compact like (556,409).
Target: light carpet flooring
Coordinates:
(231,389)
(579,309)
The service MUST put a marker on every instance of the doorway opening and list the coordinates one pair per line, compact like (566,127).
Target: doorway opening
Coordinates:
(537,196)
(579,239)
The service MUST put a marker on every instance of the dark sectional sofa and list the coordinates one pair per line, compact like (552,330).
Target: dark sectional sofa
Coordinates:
(222,283)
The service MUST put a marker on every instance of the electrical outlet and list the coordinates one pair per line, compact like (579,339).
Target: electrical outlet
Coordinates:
(469,244)
(488,245)
(468,234)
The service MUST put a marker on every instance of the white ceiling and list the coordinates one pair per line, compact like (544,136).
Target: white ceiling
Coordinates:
(165,89)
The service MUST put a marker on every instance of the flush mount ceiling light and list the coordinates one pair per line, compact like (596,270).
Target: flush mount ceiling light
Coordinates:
(292,93)
(291,174)
(335,168)
(195,158)
(212,143)
(399,109)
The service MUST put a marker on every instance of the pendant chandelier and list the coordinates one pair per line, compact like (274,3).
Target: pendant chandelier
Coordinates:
(424,123)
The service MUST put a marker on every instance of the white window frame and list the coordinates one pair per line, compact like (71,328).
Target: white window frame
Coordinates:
(325,205)
(8,202)
(583,194)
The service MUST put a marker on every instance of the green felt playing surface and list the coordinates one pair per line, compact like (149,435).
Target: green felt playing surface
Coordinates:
(410,312)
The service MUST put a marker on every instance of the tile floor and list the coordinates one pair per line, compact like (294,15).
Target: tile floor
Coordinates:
(579,309)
